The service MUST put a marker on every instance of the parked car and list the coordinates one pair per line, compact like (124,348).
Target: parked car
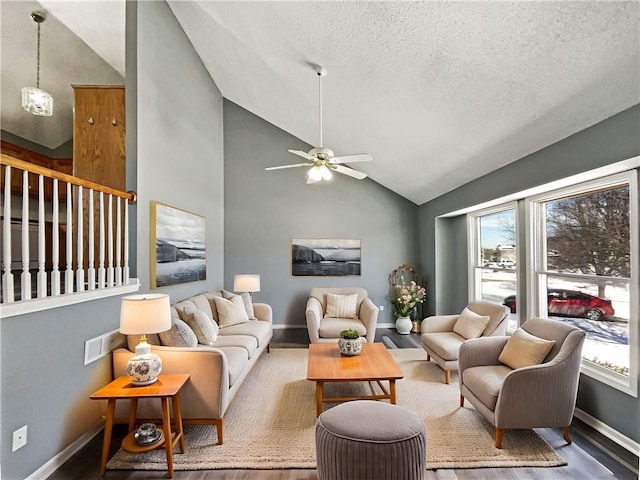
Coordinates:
(572,303)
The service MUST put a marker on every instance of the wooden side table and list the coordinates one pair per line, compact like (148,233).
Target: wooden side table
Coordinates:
(167,387)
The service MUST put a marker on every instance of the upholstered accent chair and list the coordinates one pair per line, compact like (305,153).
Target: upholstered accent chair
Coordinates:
(442,335)
(533,395)
(331,310)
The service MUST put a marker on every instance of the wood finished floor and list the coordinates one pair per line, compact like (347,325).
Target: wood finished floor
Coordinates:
(586,461)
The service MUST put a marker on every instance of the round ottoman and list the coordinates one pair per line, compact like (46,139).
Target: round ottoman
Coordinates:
(369,440)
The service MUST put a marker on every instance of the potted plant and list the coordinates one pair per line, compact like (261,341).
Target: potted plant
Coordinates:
(350,343)
(406,299)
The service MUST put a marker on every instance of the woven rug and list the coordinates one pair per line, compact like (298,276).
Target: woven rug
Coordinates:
(270,424)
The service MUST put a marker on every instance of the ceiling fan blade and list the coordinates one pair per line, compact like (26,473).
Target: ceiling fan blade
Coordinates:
(303,154)
(358,157)
(290,166)
(349,171)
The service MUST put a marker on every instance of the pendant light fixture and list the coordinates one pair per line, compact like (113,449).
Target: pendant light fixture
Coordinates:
(34,99)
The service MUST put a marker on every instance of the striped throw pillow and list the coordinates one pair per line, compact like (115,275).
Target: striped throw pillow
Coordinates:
(342,306)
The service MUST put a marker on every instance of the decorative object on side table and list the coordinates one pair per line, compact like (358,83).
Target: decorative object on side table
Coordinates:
(350,343)
(406,298)
(147,434)
(139,315)
(246,283)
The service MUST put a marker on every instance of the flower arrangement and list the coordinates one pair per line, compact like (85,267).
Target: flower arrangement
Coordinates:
(407,297)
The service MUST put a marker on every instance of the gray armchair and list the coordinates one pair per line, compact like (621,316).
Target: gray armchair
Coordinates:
(442,343)
(538,396)
(325,329)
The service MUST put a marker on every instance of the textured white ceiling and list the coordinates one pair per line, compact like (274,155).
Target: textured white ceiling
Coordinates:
(438,92)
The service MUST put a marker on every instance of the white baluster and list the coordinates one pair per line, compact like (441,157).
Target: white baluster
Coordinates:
(91,271)
(125,269)
(101,272)
(55,245)
(80,264)
(42,274)
(7,276)
(110,281)
(68,274)
(118,243)
(25,287)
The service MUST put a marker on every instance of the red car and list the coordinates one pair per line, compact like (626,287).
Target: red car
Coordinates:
(572,303)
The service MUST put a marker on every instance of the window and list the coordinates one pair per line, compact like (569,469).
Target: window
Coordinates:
(493,254)
(584,247)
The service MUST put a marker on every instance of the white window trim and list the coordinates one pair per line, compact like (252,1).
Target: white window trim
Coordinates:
(536,291)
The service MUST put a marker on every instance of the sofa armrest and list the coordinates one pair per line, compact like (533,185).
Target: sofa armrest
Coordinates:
(480,351)
(438,323)
(313,314)
(369,317)
(263,311)
(206,394)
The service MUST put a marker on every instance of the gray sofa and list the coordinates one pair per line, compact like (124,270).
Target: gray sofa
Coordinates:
(217,370)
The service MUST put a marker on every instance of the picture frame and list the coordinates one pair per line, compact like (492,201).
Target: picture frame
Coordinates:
(326,257)
(177,246)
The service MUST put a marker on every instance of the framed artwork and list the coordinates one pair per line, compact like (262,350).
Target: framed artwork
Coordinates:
(325,257)
(178,246)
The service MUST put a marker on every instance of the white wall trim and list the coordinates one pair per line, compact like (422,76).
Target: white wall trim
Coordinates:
(601,427)
(56,462)
(36,305)
(281,326)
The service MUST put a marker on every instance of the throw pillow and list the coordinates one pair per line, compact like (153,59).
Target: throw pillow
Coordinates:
(179,335)
(246,300)
(203,326)
(470,324)
(231,311)
(524,350)
(341,306)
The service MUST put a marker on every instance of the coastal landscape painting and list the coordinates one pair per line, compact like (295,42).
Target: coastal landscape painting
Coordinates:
(325,257)
(178,246)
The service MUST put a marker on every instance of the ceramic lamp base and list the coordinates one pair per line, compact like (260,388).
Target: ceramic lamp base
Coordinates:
(144,367)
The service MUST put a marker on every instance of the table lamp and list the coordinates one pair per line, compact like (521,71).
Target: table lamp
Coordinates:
(139,315)
(246,283)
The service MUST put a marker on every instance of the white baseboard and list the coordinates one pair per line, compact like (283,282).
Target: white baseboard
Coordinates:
(287,327)
(386,325)
(56,462)
(601,427)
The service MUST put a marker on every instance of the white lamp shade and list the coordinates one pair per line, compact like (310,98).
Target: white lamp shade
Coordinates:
(146,313)
(246,283)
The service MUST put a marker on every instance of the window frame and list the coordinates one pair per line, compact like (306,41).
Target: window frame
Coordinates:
(535,226)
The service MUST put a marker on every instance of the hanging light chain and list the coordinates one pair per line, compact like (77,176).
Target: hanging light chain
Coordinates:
(38,59)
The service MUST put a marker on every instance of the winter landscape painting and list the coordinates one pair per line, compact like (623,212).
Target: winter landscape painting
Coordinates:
(178,246)
(325,257)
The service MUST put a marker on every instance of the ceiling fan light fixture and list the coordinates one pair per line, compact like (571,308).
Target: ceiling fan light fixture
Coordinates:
(318,173)
(34,99)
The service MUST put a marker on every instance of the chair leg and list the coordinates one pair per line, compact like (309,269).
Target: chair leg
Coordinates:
(499,433)
(446,377)
(565,434)
(428,357)
(461,401)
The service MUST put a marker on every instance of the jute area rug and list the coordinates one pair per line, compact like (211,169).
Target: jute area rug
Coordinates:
(271,423)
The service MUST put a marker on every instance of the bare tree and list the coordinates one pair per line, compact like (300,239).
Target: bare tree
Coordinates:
(590,234)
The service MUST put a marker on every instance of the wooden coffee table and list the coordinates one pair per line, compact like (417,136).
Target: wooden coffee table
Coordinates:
(374,364)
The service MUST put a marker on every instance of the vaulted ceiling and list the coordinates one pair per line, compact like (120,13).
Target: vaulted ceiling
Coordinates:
(439,92)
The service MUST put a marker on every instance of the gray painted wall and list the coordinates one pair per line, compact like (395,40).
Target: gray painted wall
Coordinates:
(175,143)
(179,152)
(607,142)
(265,210)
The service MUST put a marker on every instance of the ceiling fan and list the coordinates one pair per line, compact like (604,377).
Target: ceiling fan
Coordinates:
(321,159)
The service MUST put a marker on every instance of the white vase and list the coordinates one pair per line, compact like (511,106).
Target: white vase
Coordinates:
(403,325)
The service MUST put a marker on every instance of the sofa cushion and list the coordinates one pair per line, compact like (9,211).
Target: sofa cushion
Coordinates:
(485,382)
(230,311)
(342,306)
(470,325)
(179,335)
(443,344)
(331,327)
(203,326)
(246,301)
(261,331)
(237,359)
(249,343)
(523,350)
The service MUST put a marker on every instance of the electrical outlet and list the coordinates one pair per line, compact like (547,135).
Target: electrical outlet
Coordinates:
(382,308)
(19,438)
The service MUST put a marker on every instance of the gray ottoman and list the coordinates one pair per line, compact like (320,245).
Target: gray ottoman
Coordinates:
(369,440)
